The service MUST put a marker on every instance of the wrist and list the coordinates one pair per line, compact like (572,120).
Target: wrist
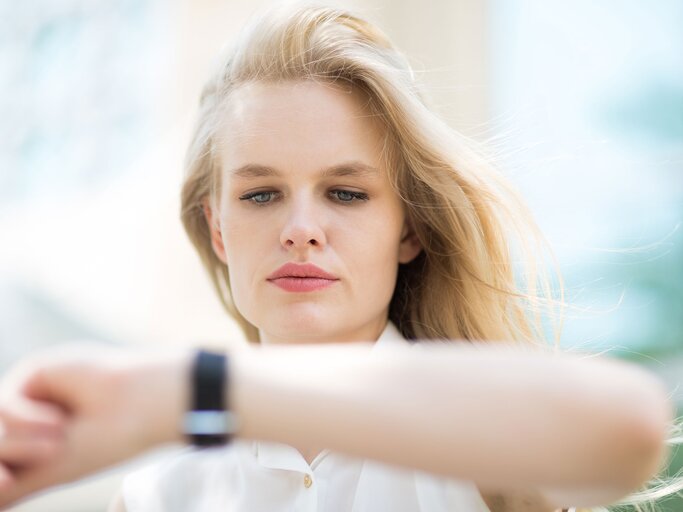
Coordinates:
(160,394)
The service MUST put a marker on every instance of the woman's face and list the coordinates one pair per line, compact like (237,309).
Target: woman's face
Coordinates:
(302,183)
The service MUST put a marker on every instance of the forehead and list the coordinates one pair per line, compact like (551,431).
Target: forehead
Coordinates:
(301,124)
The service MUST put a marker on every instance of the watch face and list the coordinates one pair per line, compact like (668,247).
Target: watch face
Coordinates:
(208,381)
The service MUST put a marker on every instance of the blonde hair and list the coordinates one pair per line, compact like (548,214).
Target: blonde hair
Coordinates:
(481,274)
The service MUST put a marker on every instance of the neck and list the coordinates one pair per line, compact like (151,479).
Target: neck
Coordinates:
(370,331)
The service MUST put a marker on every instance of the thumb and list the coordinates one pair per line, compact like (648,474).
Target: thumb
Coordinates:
(37,418)
(52,384)
(64,375)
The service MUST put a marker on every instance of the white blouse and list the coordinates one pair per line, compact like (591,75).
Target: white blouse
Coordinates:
(257,476)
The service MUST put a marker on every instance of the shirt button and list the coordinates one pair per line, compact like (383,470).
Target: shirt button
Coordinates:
(308,481)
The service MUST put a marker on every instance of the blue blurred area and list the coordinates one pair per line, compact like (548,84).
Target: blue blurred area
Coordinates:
(31,320)
(588,103)
(75,99)
(78,82)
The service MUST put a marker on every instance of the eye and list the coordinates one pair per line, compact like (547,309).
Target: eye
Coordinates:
(349,196)
(259,198)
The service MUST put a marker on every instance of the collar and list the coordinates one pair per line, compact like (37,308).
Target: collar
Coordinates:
(284,456)
(390,336)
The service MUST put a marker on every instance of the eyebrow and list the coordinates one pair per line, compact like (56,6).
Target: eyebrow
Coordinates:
(354,169)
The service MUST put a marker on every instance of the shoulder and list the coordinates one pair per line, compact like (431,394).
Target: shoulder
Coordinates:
(389,487)
(117,504)
(519,501)
(174,480)
(436,492)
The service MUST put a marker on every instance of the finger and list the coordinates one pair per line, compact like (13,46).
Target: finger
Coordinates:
(28,452)
(41,419)
(6,478)
(59,376)
(28,418)
(24,443)
(37,385)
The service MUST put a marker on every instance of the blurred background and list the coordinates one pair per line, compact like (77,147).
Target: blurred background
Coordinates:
(583,102)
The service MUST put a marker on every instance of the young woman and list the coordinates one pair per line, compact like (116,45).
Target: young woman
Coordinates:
(395,362)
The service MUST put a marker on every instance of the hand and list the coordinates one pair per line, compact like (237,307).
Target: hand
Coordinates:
(90,408)
(30,433)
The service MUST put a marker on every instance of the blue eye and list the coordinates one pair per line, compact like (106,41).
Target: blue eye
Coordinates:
(259,198)
(348,196)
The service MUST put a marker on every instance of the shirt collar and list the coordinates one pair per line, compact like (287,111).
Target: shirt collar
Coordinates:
(390,336)
(284,456)
(280,456)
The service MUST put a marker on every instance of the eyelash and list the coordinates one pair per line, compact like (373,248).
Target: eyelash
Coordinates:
(356,196)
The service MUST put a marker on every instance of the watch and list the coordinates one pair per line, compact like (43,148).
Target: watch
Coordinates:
(209,421)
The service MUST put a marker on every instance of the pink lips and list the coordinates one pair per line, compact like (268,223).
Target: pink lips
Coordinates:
(294,277)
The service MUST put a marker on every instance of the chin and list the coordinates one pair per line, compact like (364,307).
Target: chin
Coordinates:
(306,327)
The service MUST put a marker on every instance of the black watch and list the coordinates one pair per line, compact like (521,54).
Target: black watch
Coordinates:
(209,421)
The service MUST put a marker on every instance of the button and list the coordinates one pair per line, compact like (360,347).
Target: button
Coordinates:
(308,481)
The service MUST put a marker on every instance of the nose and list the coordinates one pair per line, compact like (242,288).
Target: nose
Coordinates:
(302,229)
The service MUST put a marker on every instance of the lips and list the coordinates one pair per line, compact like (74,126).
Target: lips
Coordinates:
(306,270)
(294,277)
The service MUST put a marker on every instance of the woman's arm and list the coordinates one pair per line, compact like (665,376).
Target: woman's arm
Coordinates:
(508,419)
(588,431)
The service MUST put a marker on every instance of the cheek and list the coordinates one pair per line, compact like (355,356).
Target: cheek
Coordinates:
(242,248)
(384,230)
(244,233)
(372,245)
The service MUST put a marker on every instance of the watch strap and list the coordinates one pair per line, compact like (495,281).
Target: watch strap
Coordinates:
(209,422)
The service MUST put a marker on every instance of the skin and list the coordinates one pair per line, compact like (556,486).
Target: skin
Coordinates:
(31,432)
(300,129)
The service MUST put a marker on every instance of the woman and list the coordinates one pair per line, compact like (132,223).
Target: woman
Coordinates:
(343,226)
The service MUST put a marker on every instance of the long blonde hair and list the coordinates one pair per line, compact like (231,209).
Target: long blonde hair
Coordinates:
(481,274)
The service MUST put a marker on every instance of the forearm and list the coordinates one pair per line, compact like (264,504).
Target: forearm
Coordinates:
(505,420)
(509,420)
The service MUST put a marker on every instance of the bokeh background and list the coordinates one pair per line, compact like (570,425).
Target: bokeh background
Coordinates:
(581,101)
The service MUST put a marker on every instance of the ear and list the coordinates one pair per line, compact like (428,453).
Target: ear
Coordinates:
(214,231)
(410,246)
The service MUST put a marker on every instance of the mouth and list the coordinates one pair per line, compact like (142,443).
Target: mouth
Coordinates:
(301,277)
(302,284)
(298,270)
